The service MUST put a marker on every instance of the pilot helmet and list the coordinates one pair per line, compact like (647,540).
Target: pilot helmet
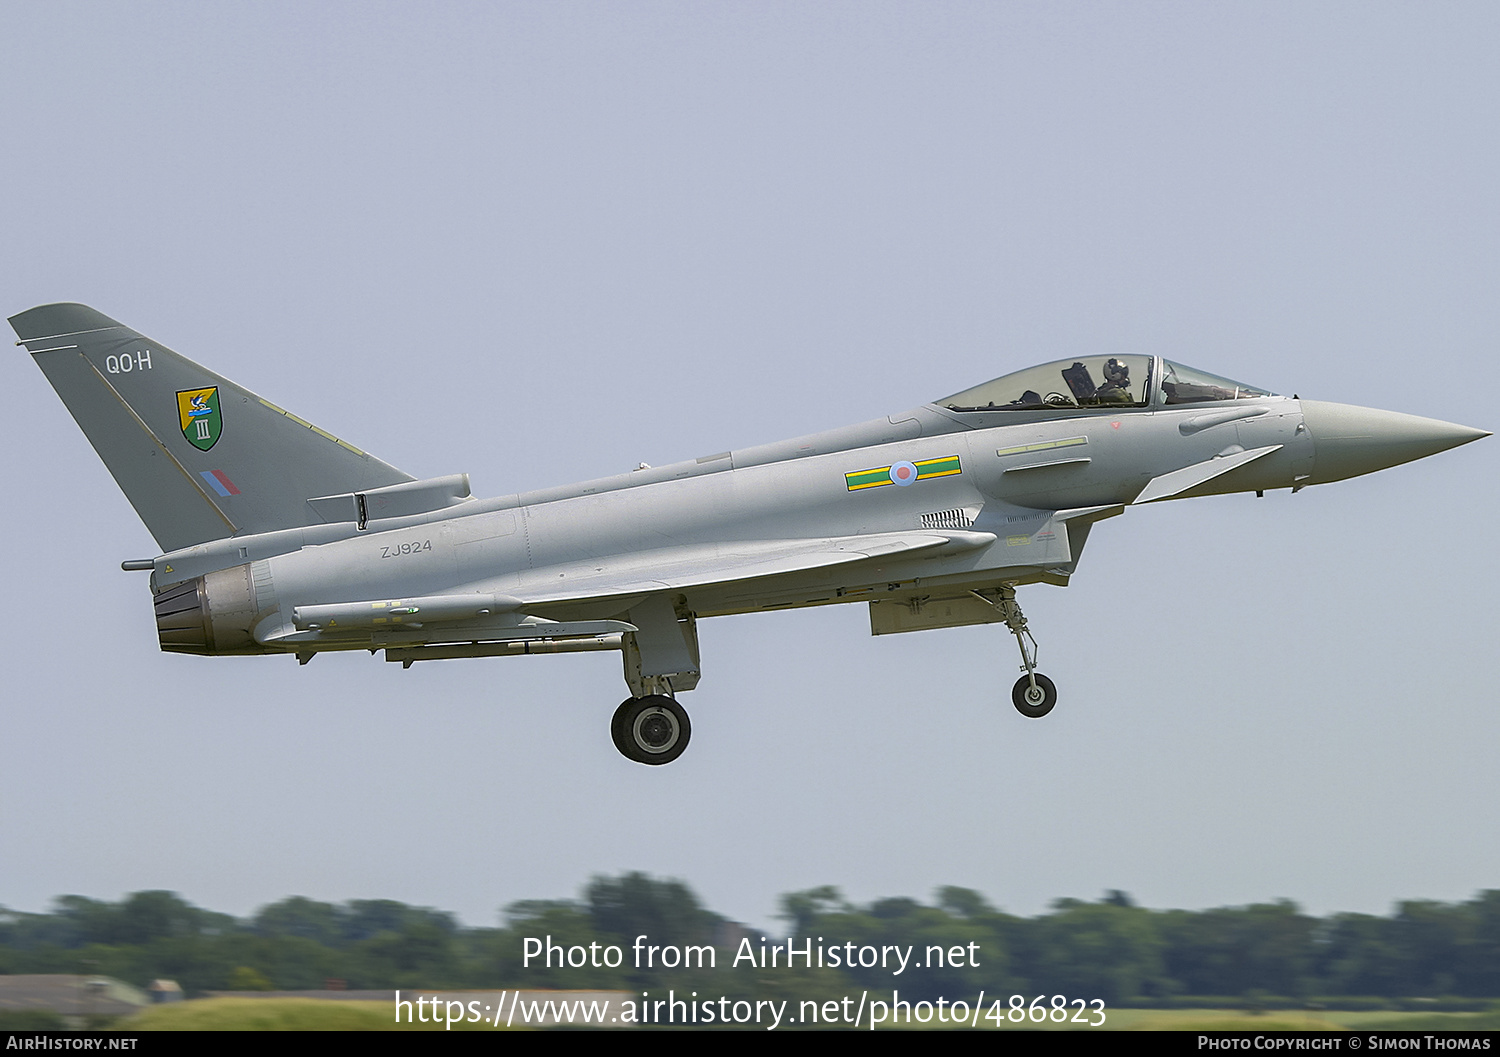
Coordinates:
(1116,371)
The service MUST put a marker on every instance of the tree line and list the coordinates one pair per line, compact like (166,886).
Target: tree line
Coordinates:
(1110,949)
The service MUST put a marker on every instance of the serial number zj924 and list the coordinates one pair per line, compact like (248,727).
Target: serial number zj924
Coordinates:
(403,549)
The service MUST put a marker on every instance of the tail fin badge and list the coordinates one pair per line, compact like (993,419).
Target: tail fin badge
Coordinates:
(198,412)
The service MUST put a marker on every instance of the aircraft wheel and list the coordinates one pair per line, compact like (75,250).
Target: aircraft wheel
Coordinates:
(1034,702)
(653,729)
(617,727)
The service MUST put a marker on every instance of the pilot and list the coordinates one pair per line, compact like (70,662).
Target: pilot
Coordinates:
(1116,387)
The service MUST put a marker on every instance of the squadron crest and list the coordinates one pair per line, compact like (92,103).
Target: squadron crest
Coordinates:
(198,412)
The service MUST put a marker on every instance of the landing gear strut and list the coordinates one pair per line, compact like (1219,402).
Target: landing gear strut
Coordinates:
(653,729)
(1033,695)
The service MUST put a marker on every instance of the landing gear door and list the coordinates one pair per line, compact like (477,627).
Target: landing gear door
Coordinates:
(661,657)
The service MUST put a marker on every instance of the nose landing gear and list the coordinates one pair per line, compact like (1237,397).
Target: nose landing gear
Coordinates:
(1034,695)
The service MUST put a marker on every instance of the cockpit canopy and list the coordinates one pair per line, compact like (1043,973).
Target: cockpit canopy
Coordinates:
(1099,381)
(1186,385)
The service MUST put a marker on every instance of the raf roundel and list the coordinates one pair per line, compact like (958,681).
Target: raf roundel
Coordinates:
(903,474)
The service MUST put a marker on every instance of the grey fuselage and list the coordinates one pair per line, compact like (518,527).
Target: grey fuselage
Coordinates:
(1028,485)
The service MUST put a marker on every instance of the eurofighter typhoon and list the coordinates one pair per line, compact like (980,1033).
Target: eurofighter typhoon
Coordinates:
(280,538)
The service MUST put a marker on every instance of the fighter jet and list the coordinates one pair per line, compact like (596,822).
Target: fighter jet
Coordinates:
(278,537)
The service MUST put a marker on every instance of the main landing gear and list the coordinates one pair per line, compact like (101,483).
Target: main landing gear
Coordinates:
(1033,695)
(653,729)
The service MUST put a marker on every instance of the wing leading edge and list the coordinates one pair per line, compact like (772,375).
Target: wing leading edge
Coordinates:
(676,568)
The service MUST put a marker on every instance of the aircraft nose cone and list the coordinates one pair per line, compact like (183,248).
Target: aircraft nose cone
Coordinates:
(1349,441)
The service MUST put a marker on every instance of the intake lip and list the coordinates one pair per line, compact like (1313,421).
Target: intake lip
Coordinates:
(1349,441)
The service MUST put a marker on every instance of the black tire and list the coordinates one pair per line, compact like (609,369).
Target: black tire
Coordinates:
(617,728)
(652,730)
(1026,701)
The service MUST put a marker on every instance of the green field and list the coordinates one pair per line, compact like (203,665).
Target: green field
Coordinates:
(308,1014)
(1297,1020)
(276,1014)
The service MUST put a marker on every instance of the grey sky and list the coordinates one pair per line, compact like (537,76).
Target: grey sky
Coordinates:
(545,242)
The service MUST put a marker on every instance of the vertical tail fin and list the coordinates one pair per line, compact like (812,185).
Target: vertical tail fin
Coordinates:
(199,457)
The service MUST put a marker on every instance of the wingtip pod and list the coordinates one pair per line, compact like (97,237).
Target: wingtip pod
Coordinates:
(59,320)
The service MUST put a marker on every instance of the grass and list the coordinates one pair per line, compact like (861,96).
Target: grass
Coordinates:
(309,1014)
(1297,1020)
(276,1014)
